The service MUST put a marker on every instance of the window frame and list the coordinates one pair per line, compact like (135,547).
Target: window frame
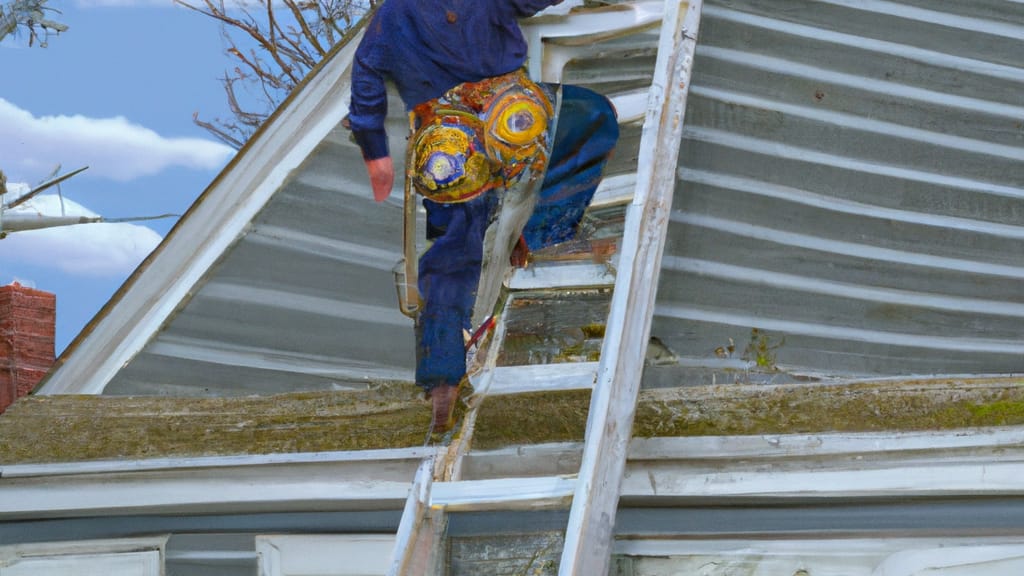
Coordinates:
(128,556)
(324,554)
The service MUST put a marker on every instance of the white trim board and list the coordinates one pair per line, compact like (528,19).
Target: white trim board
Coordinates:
(955,462)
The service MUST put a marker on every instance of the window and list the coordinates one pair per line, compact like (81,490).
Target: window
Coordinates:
(849,557)
(134,557)
(325,554)
(994,560)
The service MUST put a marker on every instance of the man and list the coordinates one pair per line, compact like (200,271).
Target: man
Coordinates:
(484,137)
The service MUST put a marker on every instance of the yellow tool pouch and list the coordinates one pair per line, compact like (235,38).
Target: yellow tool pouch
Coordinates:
(480,135)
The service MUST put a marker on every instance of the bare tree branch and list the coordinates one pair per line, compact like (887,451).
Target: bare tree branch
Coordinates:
(224,136)
(29,15)
(307,32)
(274,50)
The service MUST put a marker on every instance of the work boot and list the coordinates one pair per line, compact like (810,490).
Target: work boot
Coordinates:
(520,257)
(443,399)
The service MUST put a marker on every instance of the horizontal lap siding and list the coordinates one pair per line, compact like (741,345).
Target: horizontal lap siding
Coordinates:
(851,184)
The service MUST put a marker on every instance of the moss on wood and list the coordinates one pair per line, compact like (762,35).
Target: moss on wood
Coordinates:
(856,407)
(531,419)
(760,409)
(75,428)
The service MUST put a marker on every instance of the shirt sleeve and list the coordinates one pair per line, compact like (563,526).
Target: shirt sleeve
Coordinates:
(369,104)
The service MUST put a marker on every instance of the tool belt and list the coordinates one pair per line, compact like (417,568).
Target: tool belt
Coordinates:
(479,136)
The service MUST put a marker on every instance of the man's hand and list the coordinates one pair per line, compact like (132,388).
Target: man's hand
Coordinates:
(382,177)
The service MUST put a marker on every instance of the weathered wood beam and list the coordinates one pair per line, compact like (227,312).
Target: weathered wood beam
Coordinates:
(76,428)
(69,429)
(758,410)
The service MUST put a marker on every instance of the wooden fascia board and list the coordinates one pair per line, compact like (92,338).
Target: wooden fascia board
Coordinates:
(374,479)
(673,471)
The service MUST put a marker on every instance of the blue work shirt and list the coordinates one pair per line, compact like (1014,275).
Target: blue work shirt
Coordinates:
(427,47)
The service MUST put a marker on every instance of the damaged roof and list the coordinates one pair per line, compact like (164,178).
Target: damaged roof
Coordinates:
(849,204)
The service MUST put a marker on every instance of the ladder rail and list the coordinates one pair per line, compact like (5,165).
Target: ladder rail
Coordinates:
(410,527)
(590,531)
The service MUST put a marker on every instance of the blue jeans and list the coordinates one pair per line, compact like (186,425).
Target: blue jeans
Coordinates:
(449,270)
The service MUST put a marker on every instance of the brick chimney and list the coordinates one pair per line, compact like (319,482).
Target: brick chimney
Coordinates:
(27,321)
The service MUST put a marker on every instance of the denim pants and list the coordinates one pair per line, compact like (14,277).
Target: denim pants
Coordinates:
(449,270)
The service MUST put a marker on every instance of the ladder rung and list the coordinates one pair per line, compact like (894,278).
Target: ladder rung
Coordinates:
(541,378)
(409,529)
(584,29)
(503,494)
(562,275)
(631,107)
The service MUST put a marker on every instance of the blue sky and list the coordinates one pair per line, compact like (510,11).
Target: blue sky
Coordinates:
(116,92)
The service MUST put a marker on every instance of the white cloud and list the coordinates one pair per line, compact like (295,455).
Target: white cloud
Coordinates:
(112,147)
(102,249)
